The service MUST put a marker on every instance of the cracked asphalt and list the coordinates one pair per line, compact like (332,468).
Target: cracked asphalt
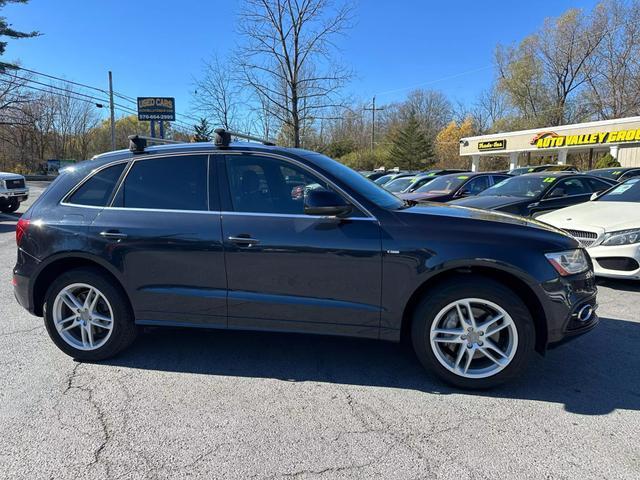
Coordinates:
(218,404)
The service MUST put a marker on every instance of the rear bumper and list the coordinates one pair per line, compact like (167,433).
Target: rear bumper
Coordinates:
(23,272)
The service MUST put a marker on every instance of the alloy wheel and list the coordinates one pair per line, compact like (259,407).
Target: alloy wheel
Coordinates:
(83,316)
(474,338)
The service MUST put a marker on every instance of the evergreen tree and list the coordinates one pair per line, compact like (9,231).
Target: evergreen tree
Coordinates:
(7,31)
(203,131)
(607,161)
(410,147)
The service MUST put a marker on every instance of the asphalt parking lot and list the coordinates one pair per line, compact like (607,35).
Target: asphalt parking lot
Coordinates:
(217,404)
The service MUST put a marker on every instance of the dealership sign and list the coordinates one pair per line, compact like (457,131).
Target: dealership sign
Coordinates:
(492,145)
(552,139)
(156,108)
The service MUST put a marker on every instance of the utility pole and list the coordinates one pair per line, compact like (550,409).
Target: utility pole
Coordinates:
(113,114)
(373,121)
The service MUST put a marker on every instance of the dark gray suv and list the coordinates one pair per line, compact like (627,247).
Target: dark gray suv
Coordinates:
(251,236)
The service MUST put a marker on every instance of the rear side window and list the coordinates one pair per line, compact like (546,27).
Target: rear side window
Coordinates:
(97,190)
(170,183)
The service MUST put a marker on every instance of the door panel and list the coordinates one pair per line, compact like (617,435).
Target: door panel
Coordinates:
(299,272)
(172,263)
(172,260)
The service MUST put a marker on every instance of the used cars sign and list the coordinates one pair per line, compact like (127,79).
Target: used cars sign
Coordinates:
(156,108)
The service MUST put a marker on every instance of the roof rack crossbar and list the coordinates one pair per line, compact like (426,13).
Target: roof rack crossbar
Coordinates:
(137,143)
(223,138)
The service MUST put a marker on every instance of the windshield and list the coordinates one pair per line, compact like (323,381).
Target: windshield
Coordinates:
(383,179)
(629,191)
(522,186)
(445,183)
(612,173)
(521,170)
(398,184)
(357,182)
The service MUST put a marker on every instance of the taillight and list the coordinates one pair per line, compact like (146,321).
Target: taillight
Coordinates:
(21,228)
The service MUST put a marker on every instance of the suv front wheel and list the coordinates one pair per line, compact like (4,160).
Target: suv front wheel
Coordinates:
(87,316)
(473,332)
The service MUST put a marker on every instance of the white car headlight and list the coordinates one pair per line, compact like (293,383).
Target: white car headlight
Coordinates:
(568,262)
(622,237)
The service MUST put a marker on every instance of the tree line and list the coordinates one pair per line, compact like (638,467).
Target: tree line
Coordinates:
(285,81)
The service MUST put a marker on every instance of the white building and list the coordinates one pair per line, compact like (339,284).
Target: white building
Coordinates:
(620,137)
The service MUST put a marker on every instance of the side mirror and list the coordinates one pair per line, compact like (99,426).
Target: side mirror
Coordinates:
(325,203)
(595,195)
(463,193)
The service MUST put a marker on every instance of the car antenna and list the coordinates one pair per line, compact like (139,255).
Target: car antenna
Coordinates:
(223,138)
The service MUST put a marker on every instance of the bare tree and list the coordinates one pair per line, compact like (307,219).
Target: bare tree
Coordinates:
(543,75)
(215,94)
(13,94)
(614,67)
(287,58)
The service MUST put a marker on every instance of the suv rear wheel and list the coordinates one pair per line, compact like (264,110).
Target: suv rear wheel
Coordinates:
(473,332)
(87,316)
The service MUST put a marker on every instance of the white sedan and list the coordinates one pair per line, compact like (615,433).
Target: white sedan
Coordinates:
(608,227)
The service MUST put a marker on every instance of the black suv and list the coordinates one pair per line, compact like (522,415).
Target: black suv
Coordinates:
(257,237)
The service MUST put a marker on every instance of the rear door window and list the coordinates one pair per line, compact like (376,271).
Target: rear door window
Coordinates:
(571,187)
(477,185)
(97,190)
(169,183)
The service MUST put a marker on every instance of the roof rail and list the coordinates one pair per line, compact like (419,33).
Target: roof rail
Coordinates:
(223,138)
(137,143)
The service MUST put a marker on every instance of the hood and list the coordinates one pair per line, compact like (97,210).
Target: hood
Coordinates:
(490,201)
(452,211)
(8,175)
(596,216)
(424,196)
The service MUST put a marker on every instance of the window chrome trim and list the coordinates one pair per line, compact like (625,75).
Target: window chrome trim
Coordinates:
(89,176)
(304,167)
(292,215)
(133,159)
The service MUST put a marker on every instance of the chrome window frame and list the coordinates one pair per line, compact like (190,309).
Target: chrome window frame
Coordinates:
(131,160)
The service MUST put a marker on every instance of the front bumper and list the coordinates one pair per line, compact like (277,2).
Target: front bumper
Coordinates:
(21,193)
(567,302)
(602,255)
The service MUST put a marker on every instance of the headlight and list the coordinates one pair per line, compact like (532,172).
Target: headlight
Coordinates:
(569,262)
(623,237)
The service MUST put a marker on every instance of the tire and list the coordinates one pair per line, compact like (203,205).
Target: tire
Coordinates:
(11,206)
(445,353)
(111,303)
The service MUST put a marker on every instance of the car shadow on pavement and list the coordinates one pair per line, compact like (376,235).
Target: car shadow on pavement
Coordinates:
(593,375)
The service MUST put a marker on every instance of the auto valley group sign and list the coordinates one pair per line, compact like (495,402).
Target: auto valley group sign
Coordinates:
(156,108)
(553,140)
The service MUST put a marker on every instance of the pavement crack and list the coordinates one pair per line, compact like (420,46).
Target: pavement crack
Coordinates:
(18,332)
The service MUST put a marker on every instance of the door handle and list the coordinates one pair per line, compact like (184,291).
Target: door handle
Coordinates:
(244,240)
(113,234)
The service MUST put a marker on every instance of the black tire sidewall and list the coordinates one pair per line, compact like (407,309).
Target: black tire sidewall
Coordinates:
(477,287)
(10,206)
(124,330)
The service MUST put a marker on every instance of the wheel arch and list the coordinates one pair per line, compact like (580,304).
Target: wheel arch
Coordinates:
(509,280)
(62,263)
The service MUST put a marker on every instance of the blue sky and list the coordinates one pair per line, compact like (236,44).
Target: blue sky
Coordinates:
(156,47)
